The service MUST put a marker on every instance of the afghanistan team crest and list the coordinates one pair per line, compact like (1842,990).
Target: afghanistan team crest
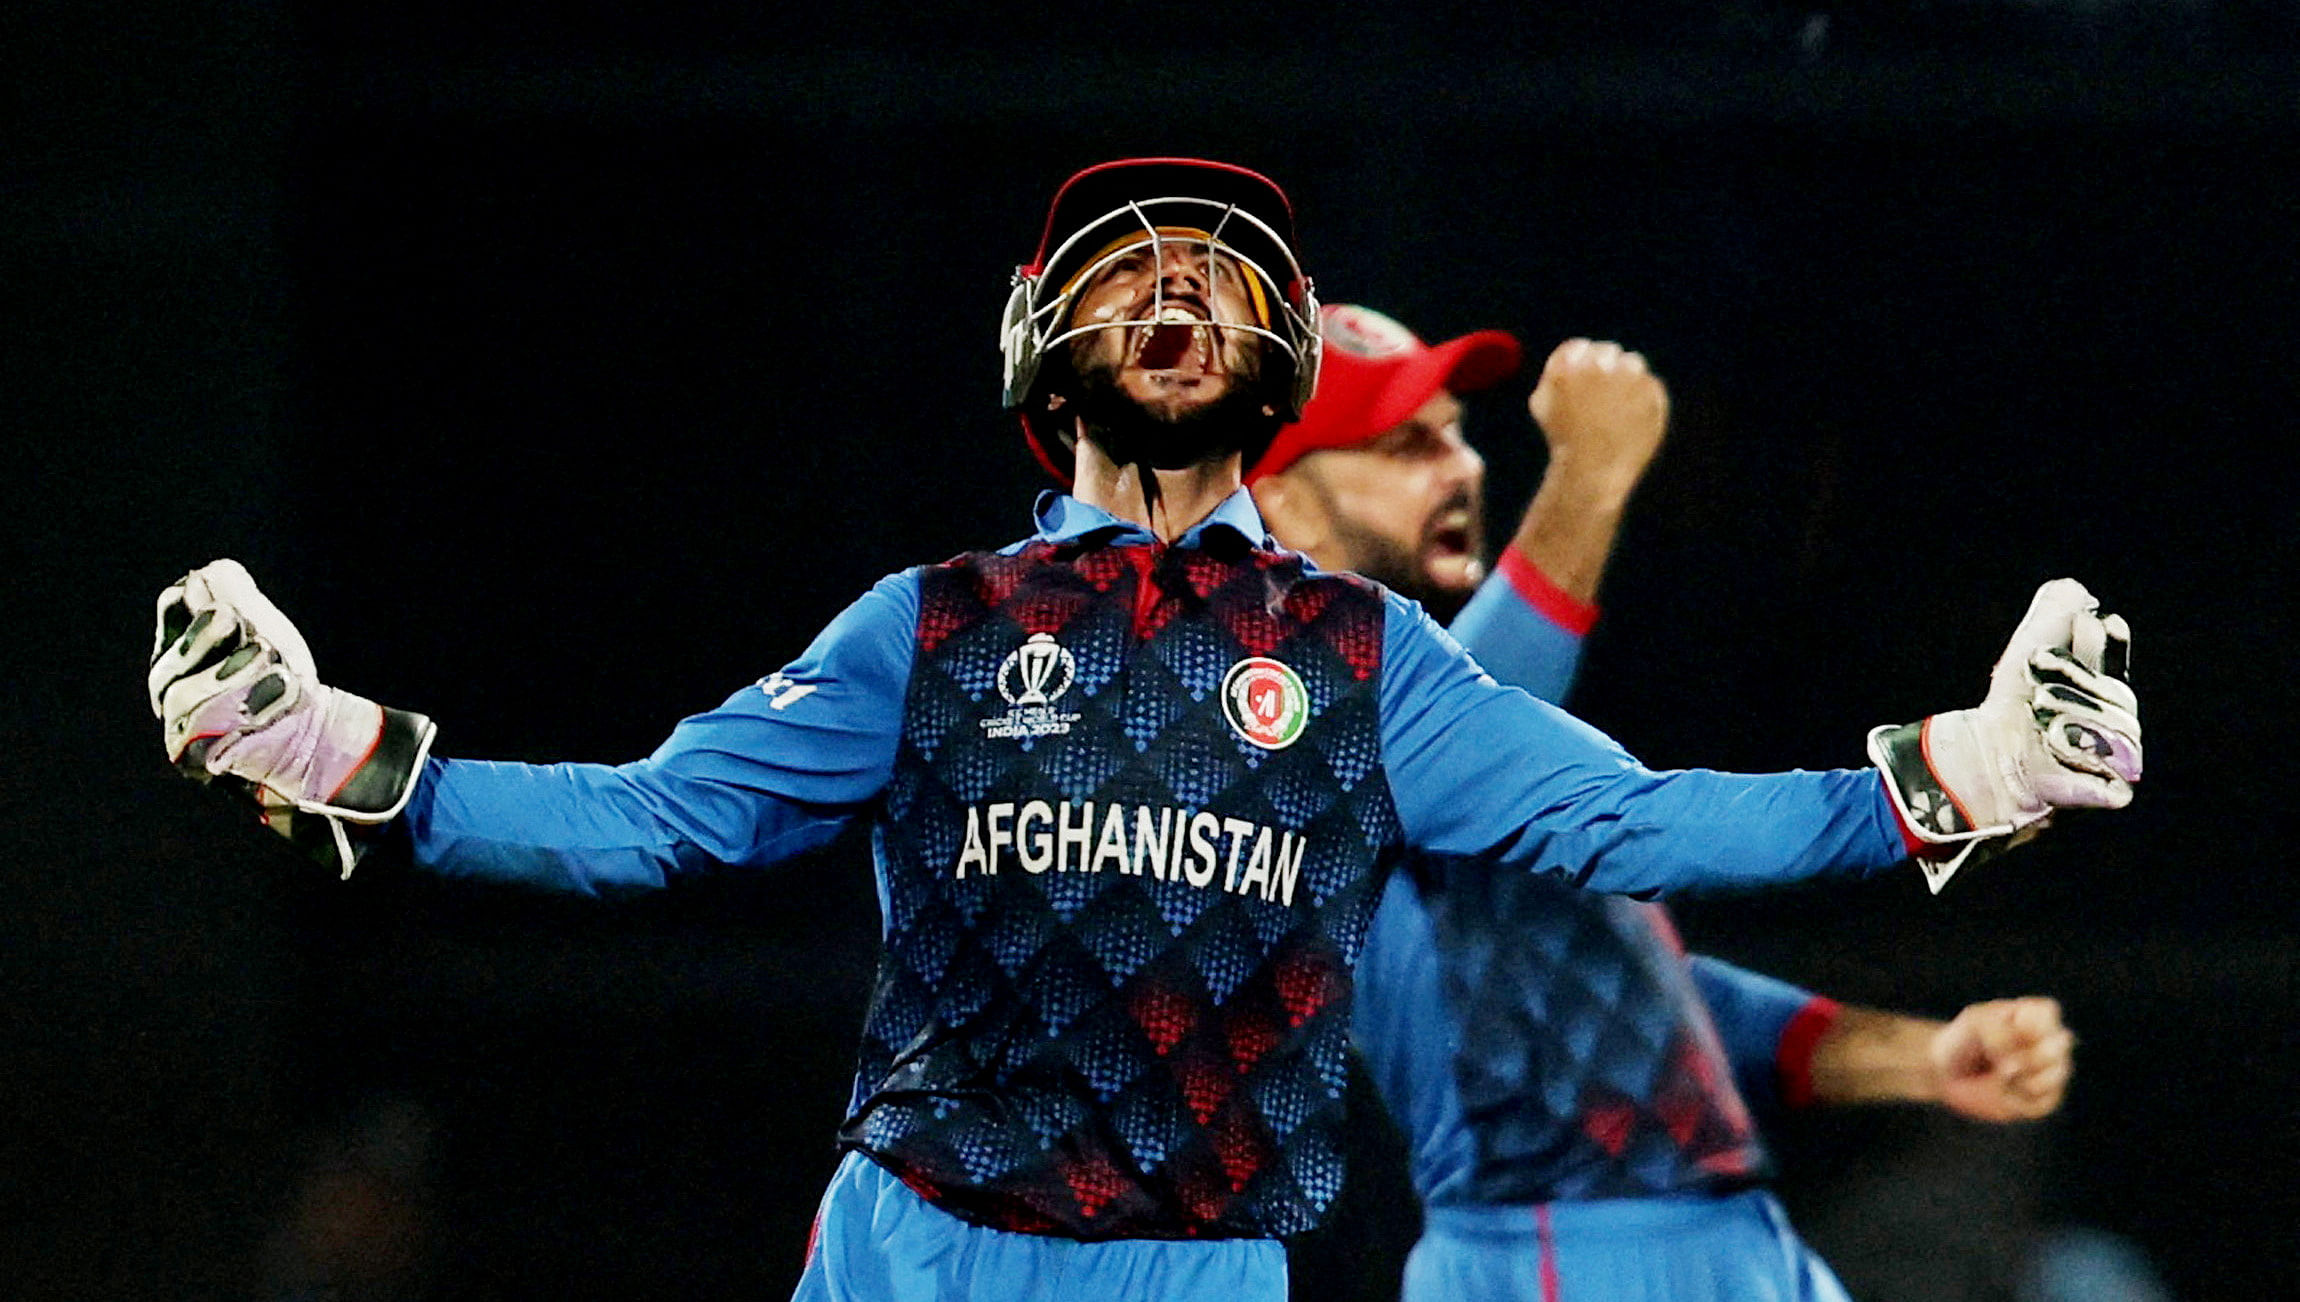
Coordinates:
(1265,702)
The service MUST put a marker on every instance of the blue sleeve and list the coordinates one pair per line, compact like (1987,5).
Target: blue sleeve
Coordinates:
(1754,1014)
(1477,768)
(1517,643)
(777,769)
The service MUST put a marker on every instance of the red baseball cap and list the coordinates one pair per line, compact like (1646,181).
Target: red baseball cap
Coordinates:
(1375,373)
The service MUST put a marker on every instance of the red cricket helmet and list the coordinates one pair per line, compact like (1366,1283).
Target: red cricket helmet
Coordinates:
(1238,212)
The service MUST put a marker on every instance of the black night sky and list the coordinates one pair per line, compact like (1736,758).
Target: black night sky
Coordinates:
(560,369)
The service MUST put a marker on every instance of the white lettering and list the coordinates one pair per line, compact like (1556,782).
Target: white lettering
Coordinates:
(1203,829)
(1001,822)
(1168,844)
(1066,835)
(1149,845)
(1036,853)
(1258,866)
(973,853)
(1237,829)
(1289,866)
(1113,842)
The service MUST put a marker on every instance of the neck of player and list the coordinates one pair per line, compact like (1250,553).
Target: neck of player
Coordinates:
(1183,497)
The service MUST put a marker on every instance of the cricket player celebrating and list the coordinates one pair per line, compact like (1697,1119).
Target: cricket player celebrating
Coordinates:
(1135,782)
(1577,1094)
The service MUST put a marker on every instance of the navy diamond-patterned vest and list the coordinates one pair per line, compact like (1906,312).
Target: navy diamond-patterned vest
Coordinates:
(1589,1066)
(1116,987)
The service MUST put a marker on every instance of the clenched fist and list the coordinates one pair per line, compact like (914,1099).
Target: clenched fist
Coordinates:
(1602,410)
(2005,1060)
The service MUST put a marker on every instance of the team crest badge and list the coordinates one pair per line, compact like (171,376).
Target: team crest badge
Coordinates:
(1265,702)
(1032,678)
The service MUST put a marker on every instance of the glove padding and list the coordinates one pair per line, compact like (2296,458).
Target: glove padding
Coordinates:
(237,696)
(2059,729)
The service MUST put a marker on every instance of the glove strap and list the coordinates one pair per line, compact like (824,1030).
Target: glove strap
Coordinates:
(332,842)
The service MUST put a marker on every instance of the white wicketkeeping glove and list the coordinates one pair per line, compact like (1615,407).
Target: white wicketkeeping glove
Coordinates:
(237,696)
(2059,729)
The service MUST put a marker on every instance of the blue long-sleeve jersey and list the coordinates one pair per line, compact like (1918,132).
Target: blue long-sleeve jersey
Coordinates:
(1192,763)
(1475,768)
(1538,1043)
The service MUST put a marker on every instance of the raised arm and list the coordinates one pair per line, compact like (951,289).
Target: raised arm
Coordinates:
(1602,412)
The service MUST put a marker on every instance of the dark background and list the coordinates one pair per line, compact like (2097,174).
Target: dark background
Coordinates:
(561,369)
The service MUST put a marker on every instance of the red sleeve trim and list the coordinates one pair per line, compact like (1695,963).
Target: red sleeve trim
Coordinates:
(1798,1040)
(1550,1284)
(1556,605)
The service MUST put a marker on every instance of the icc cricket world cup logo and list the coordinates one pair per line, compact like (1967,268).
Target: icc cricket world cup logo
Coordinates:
(1032,678)
(1037,673)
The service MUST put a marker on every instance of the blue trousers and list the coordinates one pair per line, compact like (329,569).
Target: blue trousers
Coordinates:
(876,1241)
(1683,1248)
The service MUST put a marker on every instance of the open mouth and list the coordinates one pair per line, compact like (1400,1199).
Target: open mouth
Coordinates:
(1176,338)
(1453,533)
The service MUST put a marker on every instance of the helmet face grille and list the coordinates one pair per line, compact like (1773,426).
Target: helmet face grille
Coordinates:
(1104,213)
(1039,314)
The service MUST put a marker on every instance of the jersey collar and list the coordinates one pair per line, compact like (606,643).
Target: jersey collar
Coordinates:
(1064,519)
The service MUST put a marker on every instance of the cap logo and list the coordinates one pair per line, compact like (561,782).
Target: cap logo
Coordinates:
(1265,702)
(1363,332)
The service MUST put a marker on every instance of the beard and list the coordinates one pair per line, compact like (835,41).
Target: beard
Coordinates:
(1132,433)
(1393,564)
(1403,564)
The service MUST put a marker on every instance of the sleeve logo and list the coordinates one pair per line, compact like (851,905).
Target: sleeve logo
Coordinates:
(781,691)
(1265,702)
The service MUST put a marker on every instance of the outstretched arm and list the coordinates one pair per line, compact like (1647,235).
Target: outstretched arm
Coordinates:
(1480,769)
(777,768)
(2003,1060)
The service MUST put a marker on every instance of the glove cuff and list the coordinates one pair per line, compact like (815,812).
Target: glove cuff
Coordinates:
(1928,808)
(380,785)
(1923,800)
